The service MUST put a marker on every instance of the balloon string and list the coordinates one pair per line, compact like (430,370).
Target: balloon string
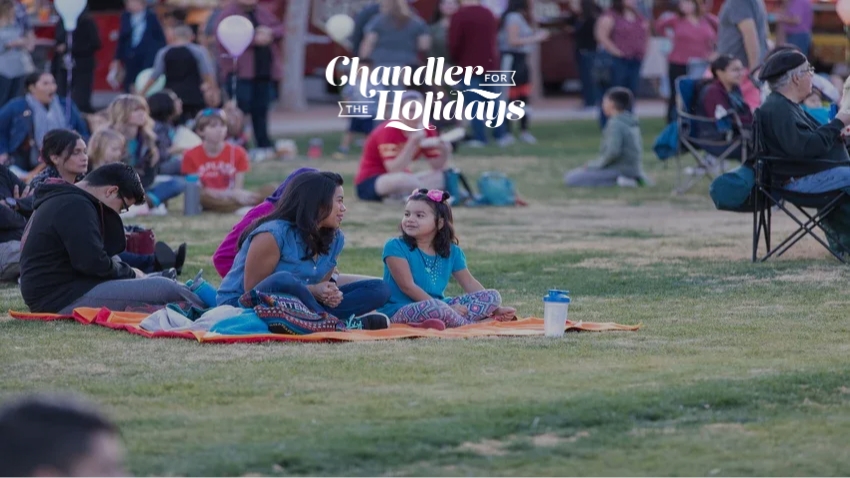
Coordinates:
(233,150)
(69,65)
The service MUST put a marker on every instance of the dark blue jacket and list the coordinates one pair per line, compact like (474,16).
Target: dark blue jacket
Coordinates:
(152,41)
(16,126)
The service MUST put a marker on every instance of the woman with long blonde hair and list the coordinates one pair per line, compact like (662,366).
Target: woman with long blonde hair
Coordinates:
(130,116)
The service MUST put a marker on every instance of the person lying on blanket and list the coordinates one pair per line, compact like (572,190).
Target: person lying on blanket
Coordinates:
(419,263)
(68,244)
(294,249)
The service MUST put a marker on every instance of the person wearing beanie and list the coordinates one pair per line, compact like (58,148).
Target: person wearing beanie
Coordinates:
(789,132)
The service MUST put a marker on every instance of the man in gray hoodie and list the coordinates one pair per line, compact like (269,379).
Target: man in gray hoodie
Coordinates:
(620,161)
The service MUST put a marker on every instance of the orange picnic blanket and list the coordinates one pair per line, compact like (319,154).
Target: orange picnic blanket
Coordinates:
(129,321)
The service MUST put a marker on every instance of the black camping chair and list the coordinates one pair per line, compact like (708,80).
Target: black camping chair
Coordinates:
(772,175)
(688,124)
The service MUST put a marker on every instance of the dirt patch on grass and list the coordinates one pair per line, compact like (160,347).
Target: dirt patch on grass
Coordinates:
(485,448)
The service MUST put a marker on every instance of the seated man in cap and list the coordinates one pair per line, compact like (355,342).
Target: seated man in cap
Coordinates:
(789,132)
(389,152)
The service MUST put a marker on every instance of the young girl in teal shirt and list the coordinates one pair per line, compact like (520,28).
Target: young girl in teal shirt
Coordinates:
(419,264)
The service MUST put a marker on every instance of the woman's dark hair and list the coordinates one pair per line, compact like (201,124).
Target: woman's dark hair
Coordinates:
(162,106)
(33,78)
(306,202)
(58,142)
(699,8)
(720,64)
(446,236)
(518,6)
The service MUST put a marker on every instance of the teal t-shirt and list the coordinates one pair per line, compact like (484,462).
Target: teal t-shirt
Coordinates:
(431,273)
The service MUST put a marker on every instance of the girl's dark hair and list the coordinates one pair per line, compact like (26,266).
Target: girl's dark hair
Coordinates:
(33,78)
(518,6)
(446,236)
(58,142)
(720,64)
(162,106)
(306,202)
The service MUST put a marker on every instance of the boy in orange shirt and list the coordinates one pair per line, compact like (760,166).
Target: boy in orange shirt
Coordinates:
(219,165)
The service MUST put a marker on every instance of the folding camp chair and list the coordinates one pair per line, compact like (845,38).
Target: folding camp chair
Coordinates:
(688,127)
(772,174)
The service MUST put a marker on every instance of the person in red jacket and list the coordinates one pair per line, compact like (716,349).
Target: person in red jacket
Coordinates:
(472,42)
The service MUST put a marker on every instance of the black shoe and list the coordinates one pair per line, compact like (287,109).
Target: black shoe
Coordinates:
(370,321)
(168,274)
(180,258)
(163,257)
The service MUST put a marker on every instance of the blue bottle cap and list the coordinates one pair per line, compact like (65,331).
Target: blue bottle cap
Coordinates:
(192,178)
(556,296)
(558,291)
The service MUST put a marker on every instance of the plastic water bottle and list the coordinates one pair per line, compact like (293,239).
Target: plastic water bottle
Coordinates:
(192,196)
(202,289)
(315,149)
(555,307)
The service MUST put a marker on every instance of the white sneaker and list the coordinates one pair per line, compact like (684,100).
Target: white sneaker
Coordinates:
(137,210)
(626,182)
(527,138)
(243,210)
(506,141)
(159,211)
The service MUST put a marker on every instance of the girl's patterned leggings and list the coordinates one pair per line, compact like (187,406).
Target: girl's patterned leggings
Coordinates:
(480,305)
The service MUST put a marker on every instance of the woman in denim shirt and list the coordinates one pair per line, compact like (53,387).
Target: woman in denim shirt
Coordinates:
(294,250)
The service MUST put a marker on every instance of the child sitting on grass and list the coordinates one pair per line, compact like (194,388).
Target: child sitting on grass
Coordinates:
(419,264)
(105,147)
(620,161)
(220,166)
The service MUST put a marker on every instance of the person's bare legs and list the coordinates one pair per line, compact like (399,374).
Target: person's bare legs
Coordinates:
(401,184)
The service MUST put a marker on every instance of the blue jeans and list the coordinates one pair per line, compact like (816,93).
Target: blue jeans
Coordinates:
(144,262)
(624,73)
(824,181)
(254,98)
(803,41)
(479,129)
(161,192)
(589,89)
(358,297)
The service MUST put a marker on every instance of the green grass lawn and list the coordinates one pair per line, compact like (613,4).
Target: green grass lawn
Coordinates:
(739,369)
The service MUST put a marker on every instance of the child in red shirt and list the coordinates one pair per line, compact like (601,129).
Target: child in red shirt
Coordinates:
(384,169)
(219,165)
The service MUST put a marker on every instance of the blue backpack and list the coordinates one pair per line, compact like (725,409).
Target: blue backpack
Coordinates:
(496,189)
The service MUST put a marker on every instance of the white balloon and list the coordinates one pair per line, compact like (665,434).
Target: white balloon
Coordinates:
(339,27)
(142,80)
(235,33)
(69,11)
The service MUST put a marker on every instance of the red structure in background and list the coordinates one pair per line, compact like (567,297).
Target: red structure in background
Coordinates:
(558,62)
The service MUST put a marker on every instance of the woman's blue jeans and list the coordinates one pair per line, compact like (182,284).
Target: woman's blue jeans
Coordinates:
(163,191)
(803,41)
(589,88)
(358,297)
(479,129)
(624,73)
